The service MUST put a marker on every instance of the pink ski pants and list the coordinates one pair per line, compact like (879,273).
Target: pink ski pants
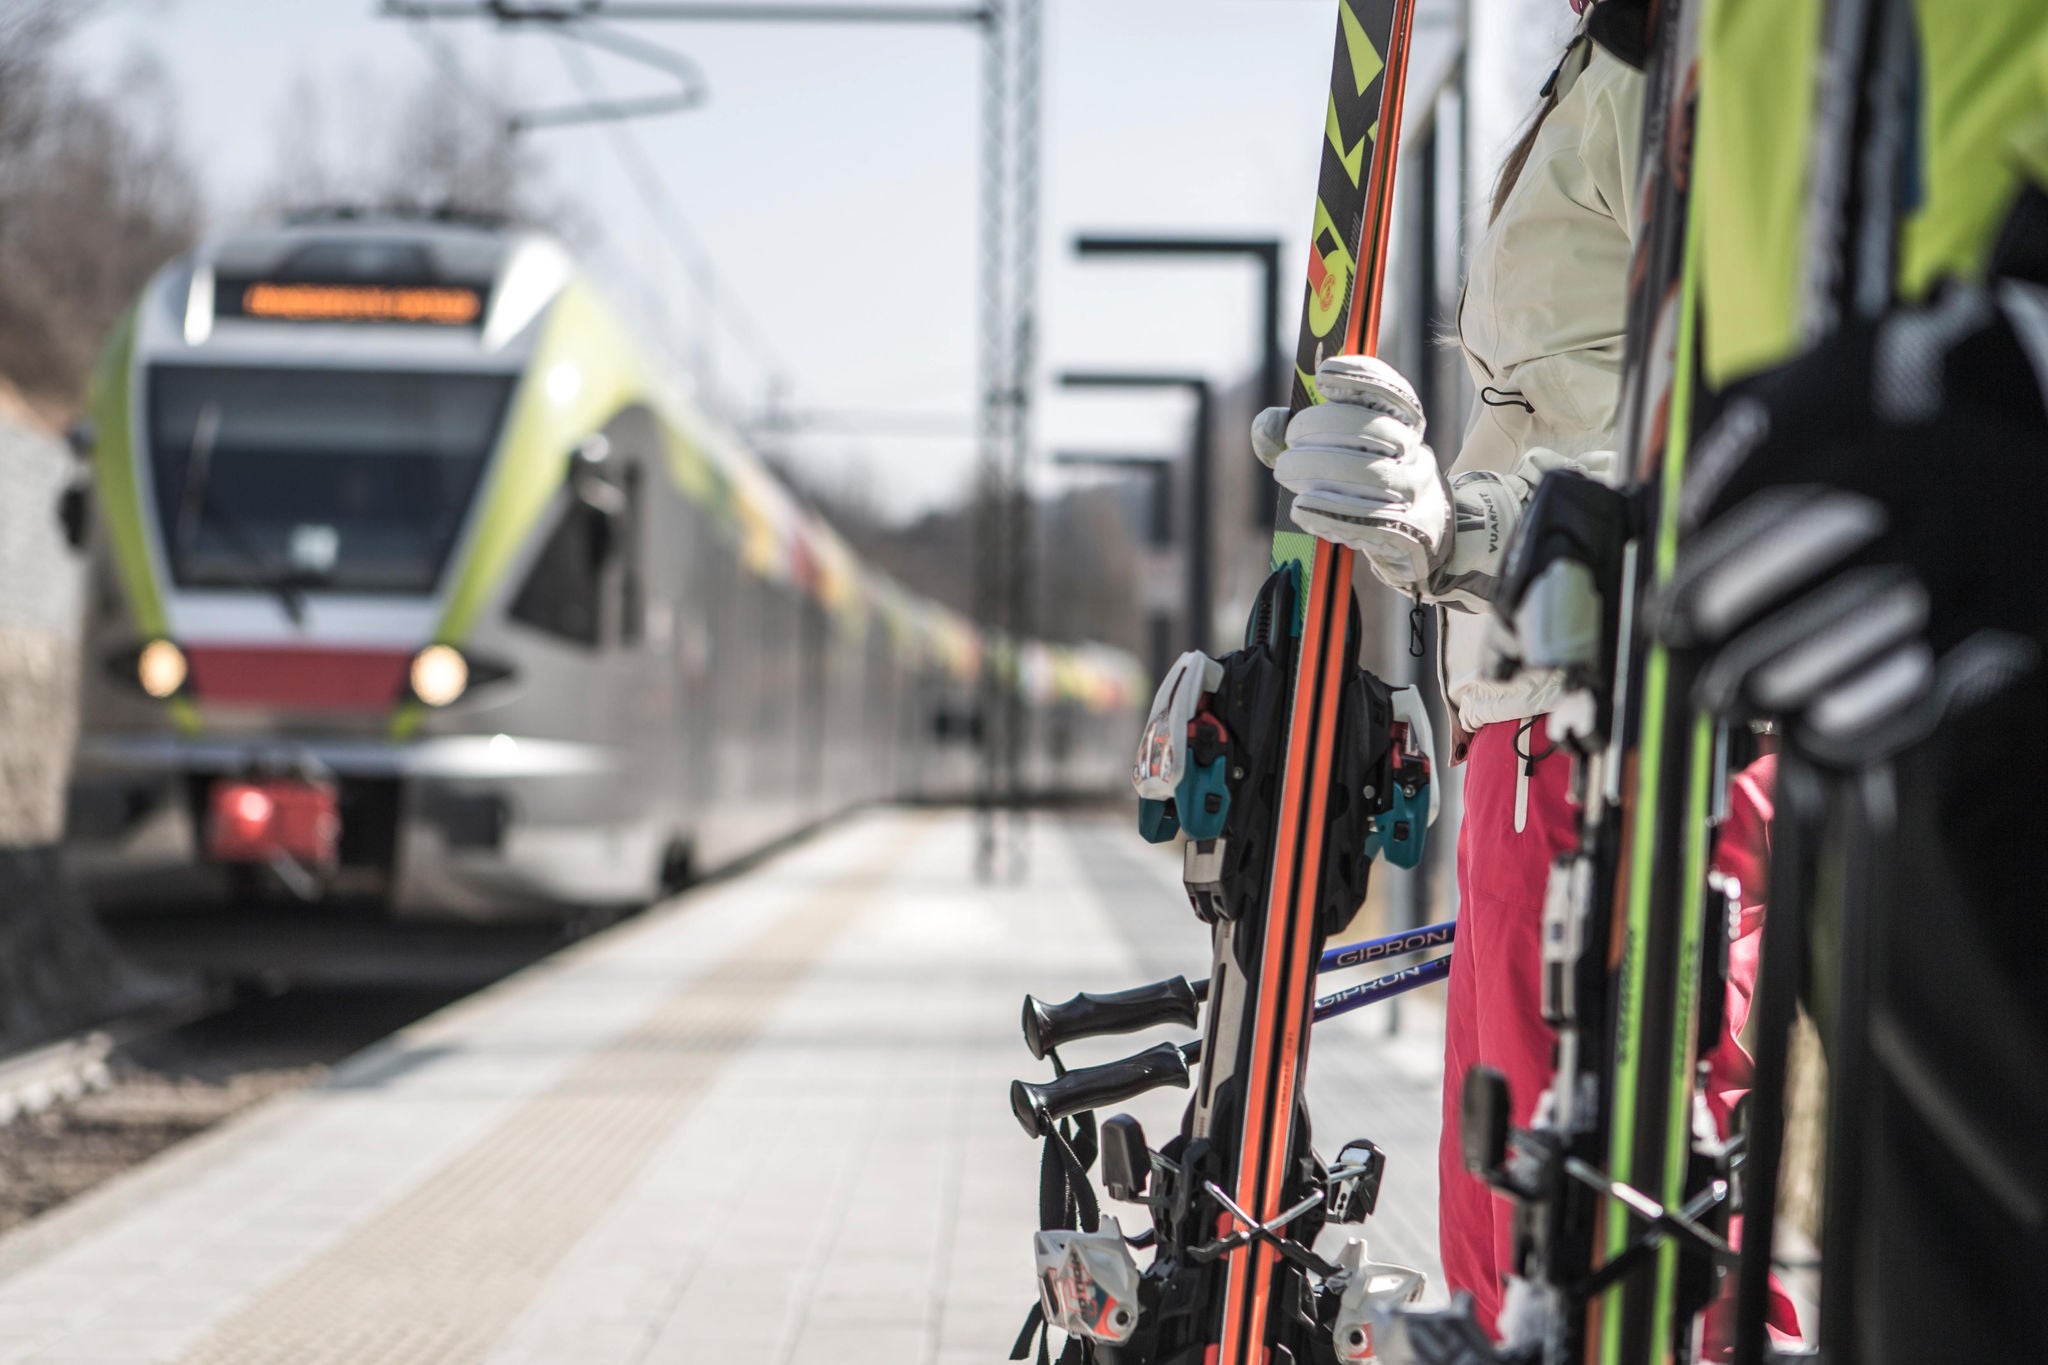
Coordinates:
(1517,821)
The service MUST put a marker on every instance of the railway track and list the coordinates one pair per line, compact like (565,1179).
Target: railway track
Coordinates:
(38,1078)
(81,1110)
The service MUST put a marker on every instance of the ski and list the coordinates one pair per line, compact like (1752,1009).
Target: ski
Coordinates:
(1178,1000)
(1289,769)
(1037,1107)
(1623,1204)
(1625,1198)
(1683,761)
(1834,860)
(1340,315)
(1667,807)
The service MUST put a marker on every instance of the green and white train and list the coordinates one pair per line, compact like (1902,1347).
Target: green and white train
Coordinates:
(413,579)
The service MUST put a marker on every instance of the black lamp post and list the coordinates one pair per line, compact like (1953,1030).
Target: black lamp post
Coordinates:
(1273,385)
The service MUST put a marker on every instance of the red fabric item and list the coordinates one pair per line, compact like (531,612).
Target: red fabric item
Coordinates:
(1493,1013)
(1742,852)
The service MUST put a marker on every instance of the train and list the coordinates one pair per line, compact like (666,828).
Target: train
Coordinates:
(413,580)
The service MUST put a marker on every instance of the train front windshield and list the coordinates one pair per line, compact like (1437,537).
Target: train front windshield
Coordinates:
(337,480)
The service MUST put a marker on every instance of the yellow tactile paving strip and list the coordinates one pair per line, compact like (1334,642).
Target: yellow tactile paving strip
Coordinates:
(440,1274)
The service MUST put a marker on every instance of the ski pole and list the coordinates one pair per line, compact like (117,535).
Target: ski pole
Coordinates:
(1382,988)
(1392,945)
(1177,1000)
(1038,1105)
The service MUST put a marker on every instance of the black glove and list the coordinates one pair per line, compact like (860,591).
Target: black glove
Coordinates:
(1861,532)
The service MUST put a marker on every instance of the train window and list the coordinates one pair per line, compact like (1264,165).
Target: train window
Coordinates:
(342,480)
(633,440)
(563,591)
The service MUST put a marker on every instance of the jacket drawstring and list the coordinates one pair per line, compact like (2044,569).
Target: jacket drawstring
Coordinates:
(1525,768)
(1522,778)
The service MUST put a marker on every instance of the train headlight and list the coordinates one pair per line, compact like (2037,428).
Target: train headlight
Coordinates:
(161,669)
(439,674)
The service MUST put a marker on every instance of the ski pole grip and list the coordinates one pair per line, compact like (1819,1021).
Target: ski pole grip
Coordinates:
(1085,1016)
(1039,1106)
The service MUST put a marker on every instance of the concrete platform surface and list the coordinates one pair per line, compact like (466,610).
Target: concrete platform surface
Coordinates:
(765,1123)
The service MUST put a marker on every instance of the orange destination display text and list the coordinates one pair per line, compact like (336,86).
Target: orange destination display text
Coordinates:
(360,303)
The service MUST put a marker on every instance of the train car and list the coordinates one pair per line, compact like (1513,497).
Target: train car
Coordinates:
(414,581)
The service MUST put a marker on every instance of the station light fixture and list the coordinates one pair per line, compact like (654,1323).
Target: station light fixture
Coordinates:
(161,669)
(439,675)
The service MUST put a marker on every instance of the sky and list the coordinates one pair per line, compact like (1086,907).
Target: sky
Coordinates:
(832,180)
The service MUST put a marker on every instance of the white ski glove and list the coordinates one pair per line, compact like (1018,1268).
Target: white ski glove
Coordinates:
(1359,471)
(1362,476)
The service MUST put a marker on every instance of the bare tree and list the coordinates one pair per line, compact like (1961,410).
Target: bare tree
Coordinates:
(88,207)
(90,202)
(438,145)
(29,31)
(449,151)
(1088,561)
(306,168)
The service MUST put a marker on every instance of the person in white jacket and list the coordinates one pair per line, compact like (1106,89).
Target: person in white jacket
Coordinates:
(1541,326)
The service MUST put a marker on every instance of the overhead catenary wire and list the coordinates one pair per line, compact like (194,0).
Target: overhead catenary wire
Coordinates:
(577,20)
(450,68)
(678,236)
(690,92)
(750,12)
(878,421)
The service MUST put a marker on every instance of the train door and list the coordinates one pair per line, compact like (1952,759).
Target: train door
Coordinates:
(586,594)
(878,712)
(558,609)
(775,718)
(815,759)
(635,686)
(734,606)
(692,562)
(755,746)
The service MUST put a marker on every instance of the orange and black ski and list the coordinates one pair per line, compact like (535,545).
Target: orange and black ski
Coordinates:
(1308,897)
(1291,768)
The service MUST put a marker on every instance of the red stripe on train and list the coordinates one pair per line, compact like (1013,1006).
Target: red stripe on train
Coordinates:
(312,679)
